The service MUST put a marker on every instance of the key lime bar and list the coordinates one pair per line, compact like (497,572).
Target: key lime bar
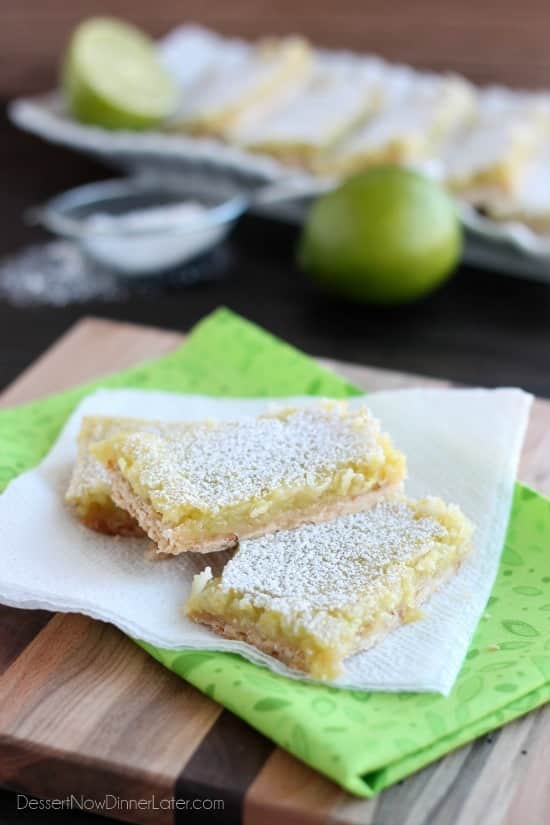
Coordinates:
(314,595)
(530,200)
(258,73)
(508,131)
(89,490)
(205,489)
(338,97)
(414,118)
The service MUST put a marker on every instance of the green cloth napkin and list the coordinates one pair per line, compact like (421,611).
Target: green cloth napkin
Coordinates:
(365,742)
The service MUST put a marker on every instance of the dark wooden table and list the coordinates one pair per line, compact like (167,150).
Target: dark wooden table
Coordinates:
(482,328)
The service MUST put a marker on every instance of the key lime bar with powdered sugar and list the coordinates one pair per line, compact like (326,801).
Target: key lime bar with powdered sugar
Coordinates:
(312,117)
(244,78)
(89,492)
(206,488)
(314,595)
(412,120)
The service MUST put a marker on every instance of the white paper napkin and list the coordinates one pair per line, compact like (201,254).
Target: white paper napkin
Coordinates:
(462,445)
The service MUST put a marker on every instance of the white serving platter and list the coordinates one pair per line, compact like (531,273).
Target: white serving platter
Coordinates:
(508,247)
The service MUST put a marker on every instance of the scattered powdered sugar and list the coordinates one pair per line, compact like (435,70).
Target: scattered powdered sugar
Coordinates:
(58,274)
(327,566)
(89,475)
(221,464)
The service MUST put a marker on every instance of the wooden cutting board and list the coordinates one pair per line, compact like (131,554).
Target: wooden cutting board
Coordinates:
(84,711)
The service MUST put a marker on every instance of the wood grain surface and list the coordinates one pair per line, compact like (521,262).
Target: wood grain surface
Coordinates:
(488,41)
(84,711)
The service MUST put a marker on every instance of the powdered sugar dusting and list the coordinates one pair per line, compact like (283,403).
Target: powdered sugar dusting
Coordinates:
(222,464)
(321,567)
(89,475)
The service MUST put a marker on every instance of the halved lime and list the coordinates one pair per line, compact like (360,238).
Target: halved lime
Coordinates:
(112,77)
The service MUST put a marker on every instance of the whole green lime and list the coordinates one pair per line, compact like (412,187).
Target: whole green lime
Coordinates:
(112,77)
(385,236)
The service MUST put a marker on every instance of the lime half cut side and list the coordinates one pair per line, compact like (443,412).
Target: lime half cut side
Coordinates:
(112,77)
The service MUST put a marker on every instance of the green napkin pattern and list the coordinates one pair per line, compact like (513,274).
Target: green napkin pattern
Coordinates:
(365,742)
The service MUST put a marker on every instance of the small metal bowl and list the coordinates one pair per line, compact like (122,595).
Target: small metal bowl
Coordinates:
(133,250)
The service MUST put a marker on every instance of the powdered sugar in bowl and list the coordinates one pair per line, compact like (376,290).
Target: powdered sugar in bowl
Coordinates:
(139,228)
